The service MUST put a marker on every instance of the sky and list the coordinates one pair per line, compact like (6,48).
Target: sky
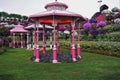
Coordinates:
(28,7)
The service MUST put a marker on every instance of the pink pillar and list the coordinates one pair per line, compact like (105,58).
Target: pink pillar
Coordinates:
(33,39)
(78,46)
(28,40)
(36,43)
(72,43)
(21,34)
(54,44)
(44,40)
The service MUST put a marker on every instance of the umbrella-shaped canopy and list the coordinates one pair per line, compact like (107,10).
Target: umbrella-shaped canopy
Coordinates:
(56,11)
(18,29)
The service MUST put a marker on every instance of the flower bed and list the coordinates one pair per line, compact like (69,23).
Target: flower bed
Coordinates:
(117,54)
(102,47)
(61,57)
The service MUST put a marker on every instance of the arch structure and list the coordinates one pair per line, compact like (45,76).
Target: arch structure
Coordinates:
(56,14)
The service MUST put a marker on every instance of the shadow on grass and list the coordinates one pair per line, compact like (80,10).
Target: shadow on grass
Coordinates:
(113,76)
(6,77)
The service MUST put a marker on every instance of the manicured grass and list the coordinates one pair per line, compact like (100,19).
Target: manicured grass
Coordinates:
(15,64)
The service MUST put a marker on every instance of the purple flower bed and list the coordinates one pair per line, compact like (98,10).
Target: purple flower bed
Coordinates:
(87,25)
(61,57)
(101,24)
(94,32)
(61,28)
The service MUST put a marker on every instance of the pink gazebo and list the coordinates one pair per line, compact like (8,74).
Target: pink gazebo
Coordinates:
(19,29)
(56,15)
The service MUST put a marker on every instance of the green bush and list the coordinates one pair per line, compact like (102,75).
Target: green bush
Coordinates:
(101,45)
(113,28)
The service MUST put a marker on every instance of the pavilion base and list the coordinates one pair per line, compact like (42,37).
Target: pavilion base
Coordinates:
(61,58)
(74,59)
(79,57)
(37,60)
(54,61)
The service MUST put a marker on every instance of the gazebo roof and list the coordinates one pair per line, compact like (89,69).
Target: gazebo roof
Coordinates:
(57,11)
(18,29)
(56,3)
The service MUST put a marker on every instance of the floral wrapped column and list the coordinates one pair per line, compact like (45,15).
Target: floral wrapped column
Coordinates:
(54,43)
(72,43)
(36,42)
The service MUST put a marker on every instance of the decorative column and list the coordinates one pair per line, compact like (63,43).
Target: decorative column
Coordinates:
(44,40)
(13,40)
(72,43)
(54,43)
(10,41)
(78,45)
(36,42)
(51,40)
(33,39)
(21,34)
(28,40)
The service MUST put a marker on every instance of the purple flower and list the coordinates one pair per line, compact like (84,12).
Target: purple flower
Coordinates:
(93,20)
(101,24)
(61,28)
(87,25)
(103,31)
(94,32)
(69,28)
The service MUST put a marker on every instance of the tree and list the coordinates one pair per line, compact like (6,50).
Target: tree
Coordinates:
(4,31)
(115,9)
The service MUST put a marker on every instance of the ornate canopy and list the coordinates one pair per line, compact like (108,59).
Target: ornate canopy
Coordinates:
(56,11)
(18,29)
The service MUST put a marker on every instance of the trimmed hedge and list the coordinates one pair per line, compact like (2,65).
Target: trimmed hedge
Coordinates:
(114,36)
(101,45)
(112,28)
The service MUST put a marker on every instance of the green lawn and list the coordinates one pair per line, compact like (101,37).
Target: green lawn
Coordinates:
(15,64)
